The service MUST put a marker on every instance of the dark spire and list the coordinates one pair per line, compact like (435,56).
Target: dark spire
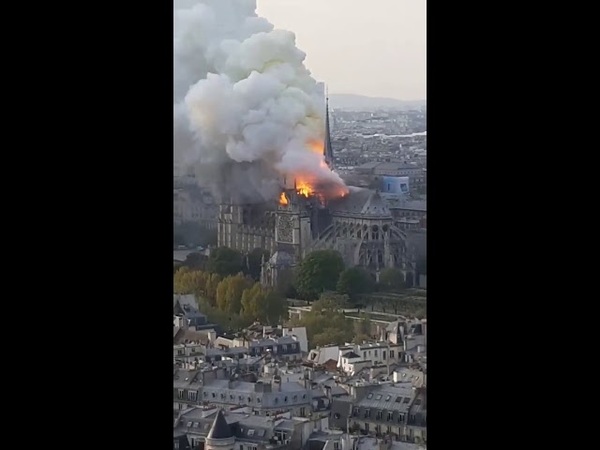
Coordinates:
(220,429)
(328,151)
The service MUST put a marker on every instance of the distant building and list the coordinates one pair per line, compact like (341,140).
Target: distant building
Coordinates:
(193,204)
(215,429)
(397,410)
(186,314)
(417,175)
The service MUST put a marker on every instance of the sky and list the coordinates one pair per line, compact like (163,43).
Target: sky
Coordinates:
(375,48)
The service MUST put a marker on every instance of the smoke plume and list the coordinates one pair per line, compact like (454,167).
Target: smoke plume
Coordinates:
(245,106)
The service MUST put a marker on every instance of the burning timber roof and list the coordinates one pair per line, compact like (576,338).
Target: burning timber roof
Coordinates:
(362,202)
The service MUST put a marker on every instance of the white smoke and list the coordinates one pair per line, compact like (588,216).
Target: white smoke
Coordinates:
(245,105)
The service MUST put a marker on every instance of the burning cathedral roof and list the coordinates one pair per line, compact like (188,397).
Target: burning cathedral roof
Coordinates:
(361,202)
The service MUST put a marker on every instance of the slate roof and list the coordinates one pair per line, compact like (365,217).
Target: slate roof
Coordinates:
(220,429)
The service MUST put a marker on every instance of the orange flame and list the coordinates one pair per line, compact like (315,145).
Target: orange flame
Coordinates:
(303,188)
(305,183)
(317,147)
(283,199)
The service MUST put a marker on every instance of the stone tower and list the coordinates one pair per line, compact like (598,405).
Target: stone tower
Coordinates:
(220,436)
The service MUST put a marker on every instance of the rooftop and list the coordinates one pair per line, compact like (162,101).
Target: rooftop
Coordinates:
(220,429)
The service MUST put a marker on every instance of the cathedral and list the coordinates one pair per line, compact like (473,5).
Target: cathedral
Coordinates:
(359,226)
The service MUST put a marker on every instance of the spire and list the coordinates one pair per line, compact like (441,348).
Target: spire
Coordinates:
(220,429)
(328,150)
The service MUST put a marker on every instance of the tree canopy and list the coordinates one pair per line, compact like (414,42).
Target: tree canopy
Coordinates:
(391,279)
(355,281)
(233,301)
(229,292)
(318,272)
(225,261)
(326,323)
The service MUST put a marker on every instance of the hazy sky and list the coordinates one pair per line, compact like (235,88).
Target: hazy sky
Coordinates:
(368,47)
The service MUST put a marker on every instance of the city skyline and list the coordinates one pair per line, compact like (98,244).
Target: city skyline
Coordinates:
(377,50)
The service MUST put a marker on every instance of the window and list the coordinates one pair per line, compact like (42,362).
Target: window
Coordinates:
(261,433)
(176,445)
(249,399)
(387,398)
(192,396)
(398,399)
(391,353)
(417,402)
(406,400)
(231,397)
(400,418)
(285,399)
(214,395)
(180,393)
(189,424)
(257,399)
(379,415)
(375,351)
(355,412)
(250,432)
(336,415)
(367,413)
(205,394)
(303,396)
(241,447)
(336,446)
(295,398)
(389,429)
(364,353)
(370,396)
(383,353)
(378,397)
(390,414)
(302,412)
(276,400)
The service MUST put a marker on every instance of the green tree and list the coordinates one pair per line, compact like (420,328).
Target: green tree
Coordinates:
(176,266)
(318,272)
(225,261)
(362,329)
(330,301)
(355,281)
(229,293)
(187,281)
(391,279)
(212,284)
(251,302)
(265,305)
(326,322)
(276,308)
(195,261)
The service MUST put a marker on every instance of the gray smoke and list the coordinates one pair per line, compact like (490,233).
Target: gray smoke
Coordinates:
(245,105)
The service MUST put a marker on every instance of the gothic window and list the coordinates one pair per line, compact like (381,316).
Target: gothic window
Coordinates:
(285,227)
